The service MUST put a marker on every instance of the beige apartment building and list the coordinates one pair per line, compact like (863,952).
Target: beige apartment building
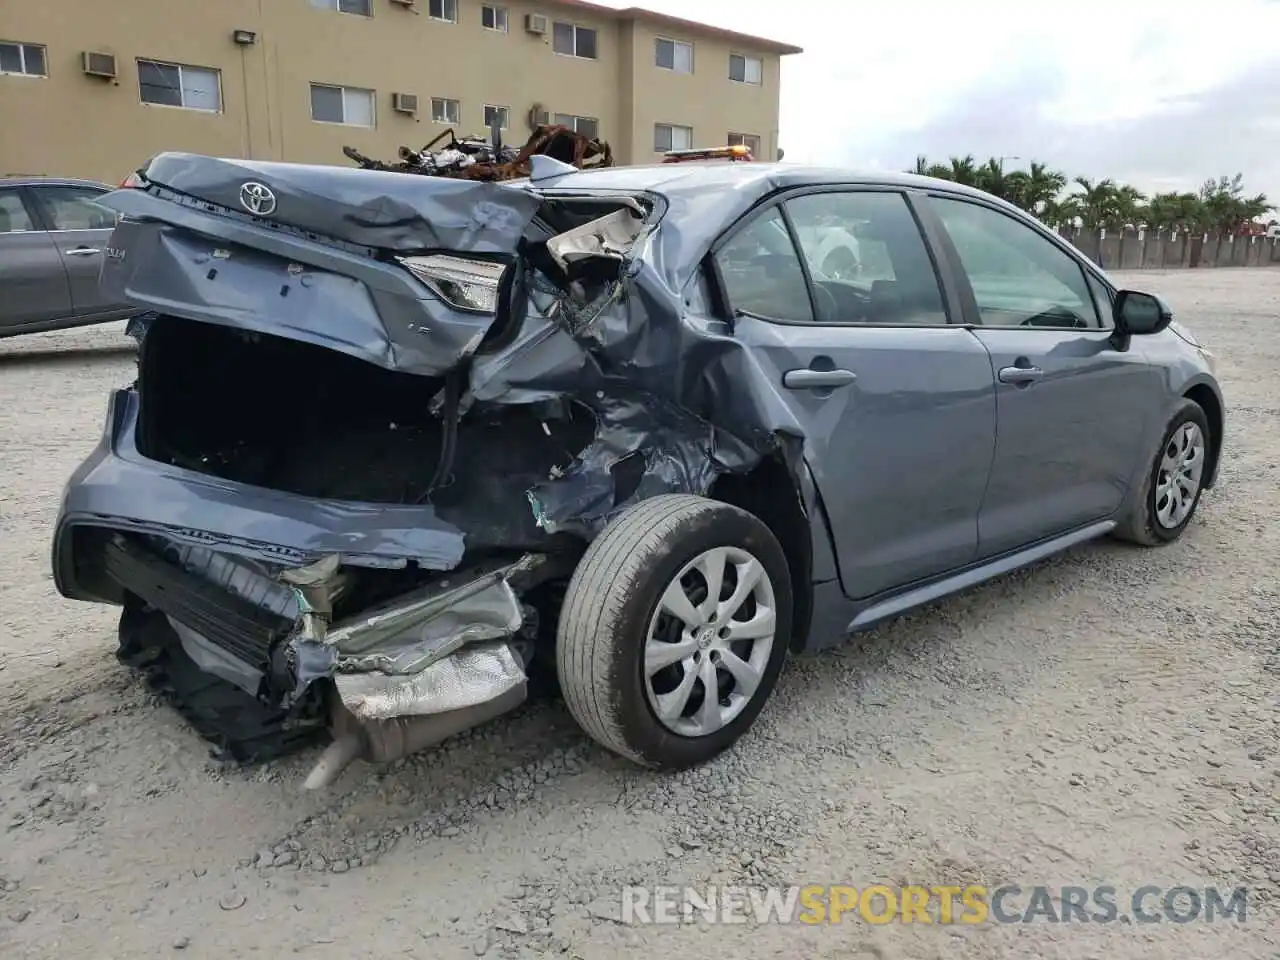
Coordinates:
(92,88)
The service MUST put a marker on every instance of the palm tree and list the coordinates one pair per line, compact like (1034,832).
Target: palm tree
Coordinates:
(924,168)
(992,178)
(964,170)
(1255,207)
(1096,201)
(1017,185)
(1059,213)
(1173,211)
(1190,213)
(1220,204)
(1226,209)
(1127,206)
(1162,211)
(1043,186)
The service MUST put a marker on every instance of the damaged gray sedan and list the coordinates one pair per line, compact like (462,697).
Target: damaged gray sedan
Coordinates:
(398,442)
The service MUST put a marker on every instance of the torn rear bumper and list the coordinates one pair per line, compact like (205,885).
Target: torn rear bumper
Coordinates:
(443,647)
(228,594)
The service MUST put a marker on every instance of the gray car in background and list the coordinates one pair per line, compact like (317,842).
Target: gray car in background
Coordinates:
(53,236)
(396,440)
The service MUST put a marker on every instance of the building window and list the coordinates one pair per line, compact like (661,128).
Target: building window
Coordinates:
(360,8)
(179,85)
(27,59)
(444,110)
(668,136)
(572,40)
(746,69)
(589,127)
(748,140)
(350,105)
(493,18)
(446,10)
(501,114)
(673,55)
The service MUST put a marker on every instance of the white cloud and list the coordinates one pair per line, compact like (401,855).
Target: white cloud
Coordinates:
(875,78)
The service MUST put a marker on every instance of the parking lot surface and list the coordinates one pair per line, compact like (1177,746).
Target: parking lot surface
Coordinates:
(1107,718)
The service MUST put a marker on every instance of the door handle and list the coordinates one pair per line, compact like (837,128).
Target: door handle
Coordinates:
(83,252)
(1021,375)
(809,379)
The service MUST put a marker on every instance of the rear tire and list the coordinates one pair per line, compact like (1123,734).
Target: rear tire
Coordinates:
(1170,491)
(633,673)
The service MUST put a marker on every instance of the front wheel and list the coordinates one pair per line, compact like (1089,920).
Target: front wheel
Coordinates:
(674,629)
(1171,490)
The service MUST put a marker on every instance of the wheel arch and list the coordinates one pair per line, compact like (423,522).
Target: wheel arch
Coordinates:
(772,493)
(1211,403)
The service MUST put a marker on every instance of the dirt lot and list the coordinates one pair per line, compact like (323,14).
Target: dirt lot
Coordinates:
(1107,718)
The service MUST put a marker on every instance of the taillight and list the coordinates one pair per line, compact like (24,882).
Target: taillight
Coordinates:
(129,182)
(461,283)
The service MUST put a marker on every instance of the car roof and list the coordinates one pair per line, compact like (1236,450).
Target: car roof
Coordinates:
(705,197)
(700,175)
(38,181)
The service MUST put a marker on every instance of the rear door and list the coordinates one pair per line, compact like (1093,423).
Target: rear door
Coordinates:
(81,228)
(33,282)
(1072,409)
(896,405)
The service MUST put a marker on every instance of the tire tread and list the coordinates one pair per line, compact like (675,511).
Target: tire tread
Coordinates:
(1138,525)
(607,574)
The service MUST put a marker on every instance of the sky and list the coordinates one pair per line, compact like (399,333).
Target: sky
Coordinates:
(1163,94)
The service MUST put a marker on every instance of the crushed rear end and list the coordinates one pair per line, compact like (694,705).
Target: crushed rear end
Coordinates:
(377,419)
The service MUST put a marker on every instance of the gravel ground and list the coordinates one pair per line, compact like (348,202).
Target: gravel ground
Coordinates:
(1108,717)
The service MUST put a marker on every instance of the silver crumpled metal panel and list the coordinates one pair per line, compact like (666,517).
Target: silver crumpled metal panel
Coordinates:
(408,635)
(473,675)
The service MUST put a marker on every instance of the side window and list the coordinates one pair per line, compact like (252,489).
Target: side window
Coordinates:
(867,259)
(75,208)
(1101,299)
(14,217)
(761,271)
(1019,278)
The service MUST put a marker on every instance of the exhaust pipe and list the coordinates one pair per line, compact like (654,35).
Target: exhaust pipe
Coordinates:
(381,741)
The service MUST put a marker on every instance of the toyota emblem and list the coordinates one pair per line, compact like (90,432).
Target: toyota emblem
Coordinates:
(258,199)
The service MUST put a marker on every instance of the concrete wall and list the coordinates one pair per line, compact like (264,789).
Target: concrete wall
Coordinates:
(1165,250)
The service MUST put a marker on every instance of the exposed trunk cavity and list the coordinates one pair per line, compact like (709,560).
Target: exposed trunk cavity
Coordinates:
(293,417)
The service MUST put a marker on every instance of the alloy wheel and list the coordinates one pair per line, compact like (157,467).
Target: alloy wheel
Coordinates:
(709,641)
(1179,475)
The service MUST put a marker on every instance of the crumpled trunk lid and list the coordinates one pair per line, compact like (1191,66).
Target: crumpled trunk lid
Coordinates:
(370,208)
(413,274)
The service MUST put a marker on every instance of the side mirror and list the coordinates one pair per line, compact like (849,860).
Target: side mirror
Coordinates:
(1140,313)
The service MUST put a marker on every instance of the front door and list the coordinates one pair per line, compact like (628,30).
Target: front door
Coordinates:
(1072,409)
(896,405)
(33,282)
(82,230)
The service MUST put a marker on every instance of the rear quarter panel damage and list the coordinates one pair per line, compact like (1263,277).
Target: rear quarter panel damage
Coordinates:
(622,332)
